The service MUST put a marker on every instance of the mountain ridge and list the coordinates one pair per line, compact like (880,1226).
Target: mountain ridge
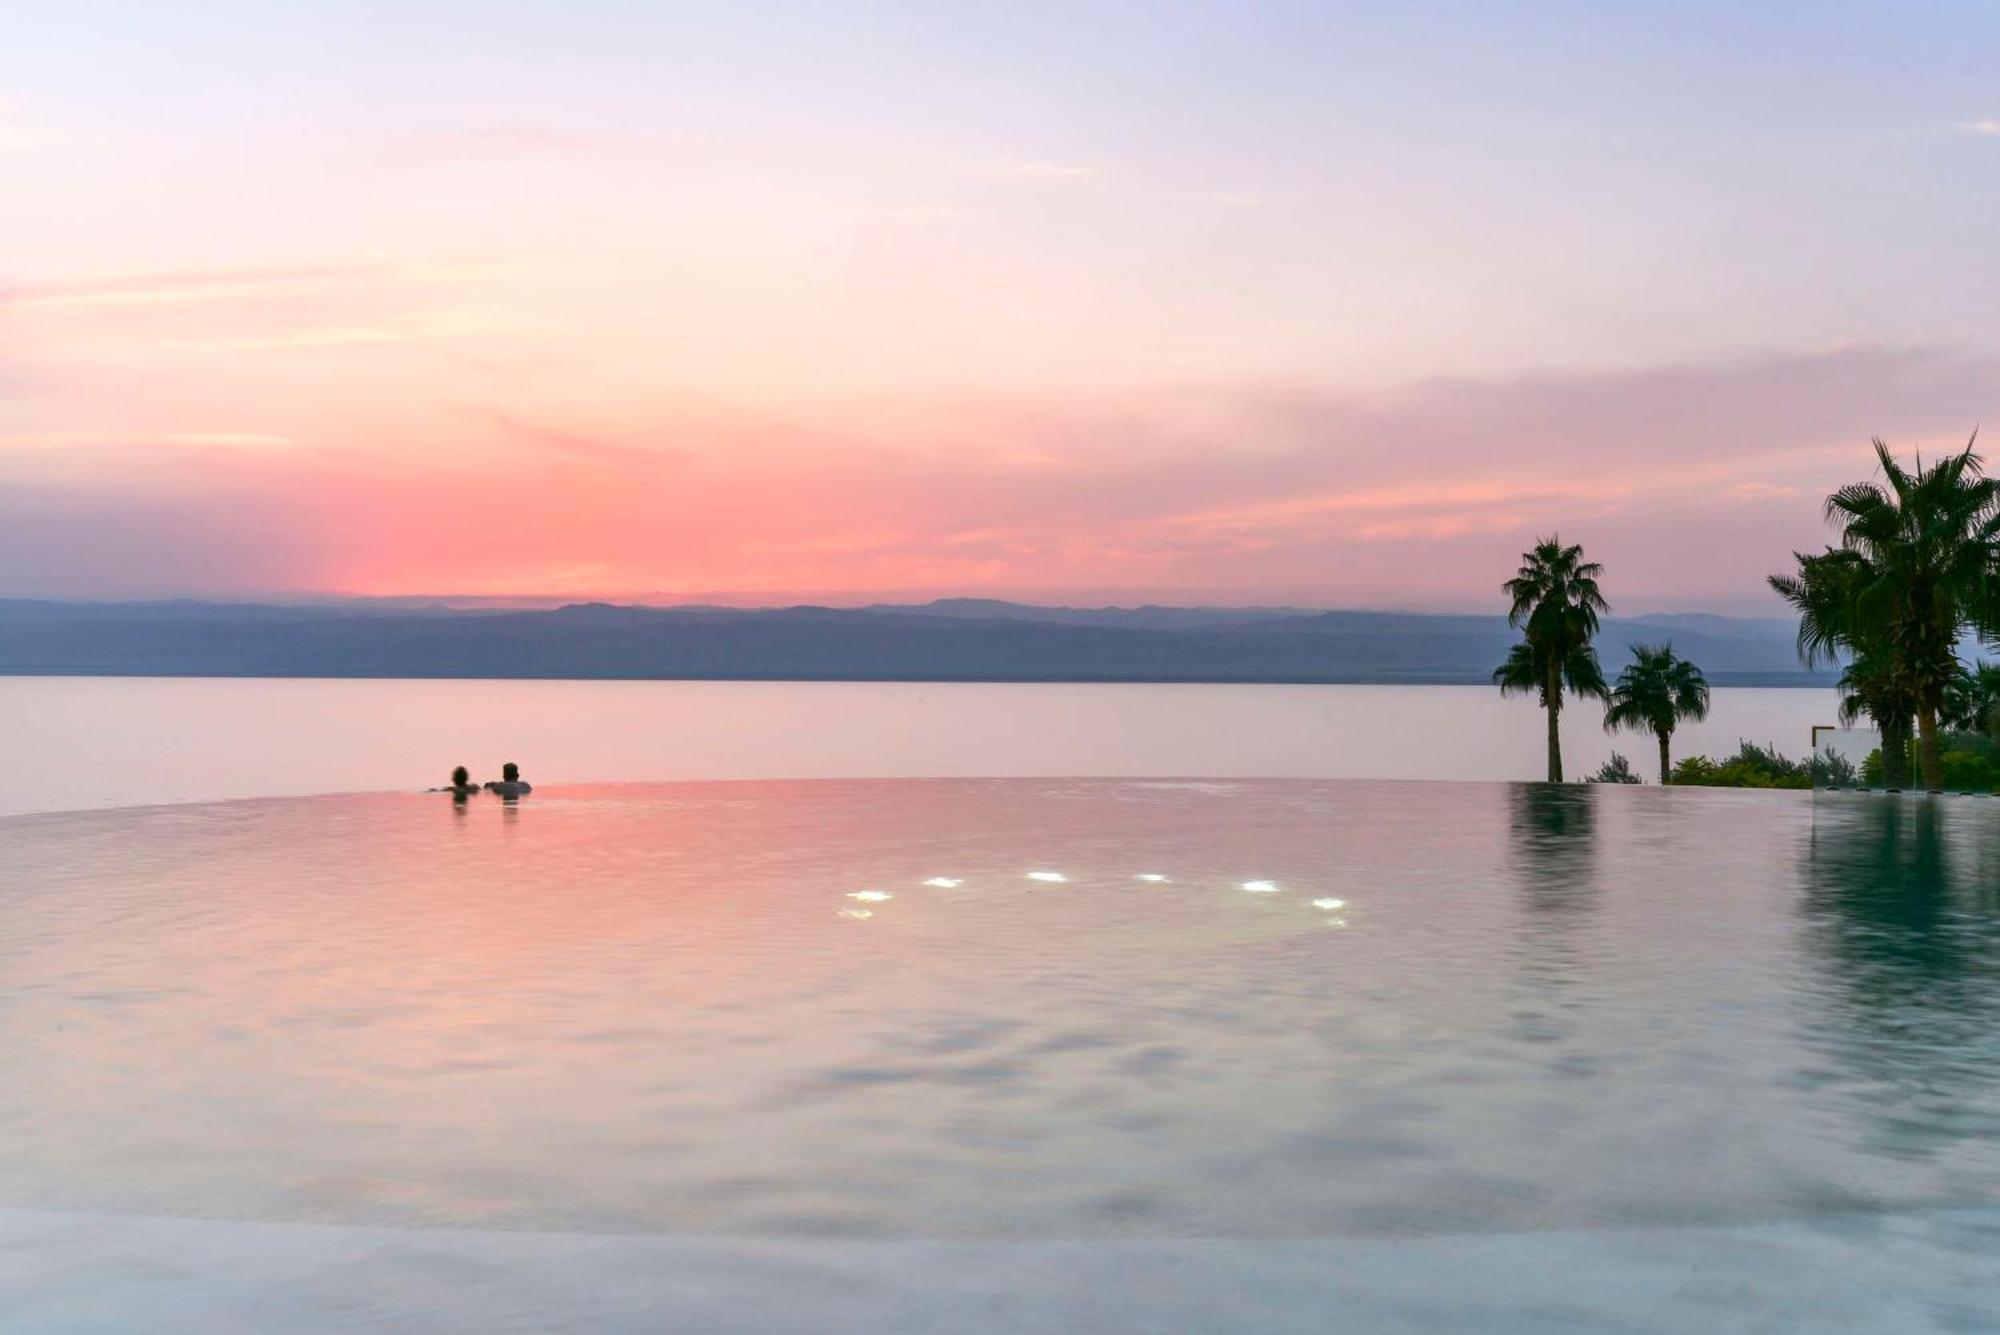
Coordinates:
(950,640)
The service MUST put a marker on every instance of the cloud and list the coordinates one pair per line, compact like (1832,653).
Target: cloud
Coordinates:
(504,139)
(179,285)
(575,444)
(1029,169)
(1758,491)
(1233,199)
(1690,482)
(1988,127)
(16,136)
(916,215)
(63,440)
(346,336)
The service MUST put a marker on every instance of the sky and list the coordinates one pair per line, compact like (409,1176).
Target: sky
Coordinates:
(1320,304)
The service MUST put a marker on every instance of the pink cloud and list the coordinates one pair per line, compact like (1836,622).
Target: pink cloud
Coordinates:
(179,285)
(1691,483)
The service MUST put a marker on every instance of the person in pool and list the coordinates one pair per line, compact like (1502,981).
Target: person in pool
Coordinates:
(510,783)
(461,785)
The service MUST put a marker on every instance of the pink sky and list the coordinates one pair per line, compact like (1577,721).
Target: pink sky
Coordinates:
(690,306)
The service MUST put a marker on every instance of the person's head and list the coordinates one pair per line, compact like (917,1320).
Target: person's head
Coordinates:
(510,772)
(461,777)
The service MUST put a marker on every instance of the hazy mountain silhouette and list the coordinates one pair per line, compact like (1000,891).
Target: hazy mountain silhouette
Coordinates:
(950,640)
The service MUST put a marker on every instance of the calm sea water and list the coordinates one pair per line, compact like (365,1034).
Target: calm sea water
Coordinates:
(91,742)
(957,1009)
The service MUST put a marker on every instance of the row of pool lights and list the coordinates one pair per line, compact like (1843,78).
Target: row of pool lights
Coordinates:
(1328,906)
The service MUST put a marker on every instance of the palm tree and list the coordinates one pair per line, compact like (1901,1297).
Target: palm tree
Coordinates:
(1975,704)
(1921,556)
(1657,689)
(1868,688)
(1555,604)
(1823,592)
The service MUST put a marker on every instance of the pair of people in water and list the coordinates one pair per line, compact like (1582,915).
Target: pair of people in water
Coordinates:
(509,784)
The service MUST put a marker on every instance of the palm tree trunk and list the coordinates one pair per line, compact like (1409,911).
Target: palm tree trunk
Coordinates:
(1666,770)
(1553,694)
(1931,752)
(1895,752)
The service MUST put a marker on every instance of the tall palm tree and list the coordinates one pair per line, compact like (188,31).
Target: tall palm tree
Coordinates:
(1975,705)
(1823,592)
(1926,545)
(1869,688)
(1555,605)
(1657,689)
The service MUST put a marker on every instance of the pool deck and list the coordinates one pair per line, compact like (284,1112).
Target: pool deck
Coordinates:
(84,1274)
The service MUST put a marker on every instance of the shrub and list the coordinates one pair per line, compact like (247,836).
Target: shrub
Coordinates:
(1966,771)
(1832,771)
(1615,770)
(1971,763)
(1974,744)
(1752,766)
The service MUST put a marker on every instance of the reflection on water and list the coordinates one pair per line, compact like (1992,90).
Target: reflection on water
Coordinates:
(1553,849)
(1554,844)
(1902,910)
(851,1008)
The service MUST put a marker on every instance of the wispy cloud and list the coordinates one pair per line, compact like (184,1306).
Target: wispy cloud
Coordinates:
(1689,481)
(18,136)
(1233,199)
(506,139)
(1758,491)
(1988,127)
(356,335)
(565,441)
(916,215)
(23,139)
(180,285)
(235,440)
(1034,169)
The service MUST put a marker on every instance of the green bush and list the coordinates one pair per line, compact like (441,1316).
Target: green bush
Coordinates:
(1971,763)
(1615,770)
(1832,771)
(1752,766)
(1966,771)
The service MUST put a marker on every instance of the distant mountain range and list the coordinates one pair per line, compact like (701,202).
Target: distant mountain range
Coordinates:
(958,639)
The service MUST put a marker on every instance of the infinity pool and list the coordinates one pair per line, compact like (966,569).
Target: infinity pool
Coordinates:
(1372,1028)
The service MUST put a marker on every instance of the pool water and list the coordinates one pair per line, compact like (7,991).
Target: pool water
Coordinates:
(981,1056)
(1009,1009)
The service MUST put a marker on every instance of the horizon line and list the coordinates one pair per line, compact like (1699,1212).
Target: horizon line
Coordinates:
(742,603)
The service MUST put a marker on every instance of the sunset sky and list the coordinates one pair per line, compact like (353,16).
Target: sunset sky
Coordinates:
(1315,303)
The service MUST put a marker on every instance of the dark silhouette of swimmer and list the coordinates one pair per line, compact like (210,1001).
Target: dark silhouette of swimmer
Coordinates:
(510,783)
(461,786)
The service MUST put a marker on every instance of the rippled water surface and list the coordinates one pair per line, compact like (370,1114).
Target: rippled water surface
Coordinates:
(664,1008)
